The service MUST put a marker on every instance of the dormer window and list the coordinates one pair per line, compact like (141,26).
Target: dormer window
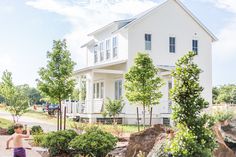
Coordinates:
(95,54)
(108,49)
(101,51)
(114,46)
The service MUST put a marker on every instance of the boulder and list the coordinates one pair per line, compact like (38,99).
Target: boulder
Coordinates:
(223,150)
(143,141)
(159,147)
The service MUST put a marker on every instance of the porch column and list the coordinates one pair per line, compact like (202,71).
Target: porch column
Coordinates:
(89,95)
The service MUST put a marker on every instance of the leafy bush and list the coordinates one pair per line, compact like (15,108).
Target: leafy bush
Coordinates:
(37,129)
(39,140)
(94,142)
(10,130)
(222,116)
(58,142)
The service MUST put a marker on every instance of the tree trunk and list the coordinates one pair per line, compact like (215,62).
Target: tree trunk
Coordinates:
(65,118)
(144,121)
(58,118)
(13,118)
(60,115)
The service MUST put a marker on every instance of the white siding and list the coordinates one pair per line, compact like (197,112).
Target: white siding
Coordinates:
(171,20)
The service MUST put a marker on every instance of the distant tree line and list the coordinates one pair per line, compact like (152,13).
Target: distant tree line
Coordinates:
(224,94)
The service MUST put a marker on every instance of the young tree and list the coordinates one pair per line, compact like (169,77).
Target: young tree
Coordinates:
(15,99)
(56,80)
(142,83)
(113,108)
(194,137)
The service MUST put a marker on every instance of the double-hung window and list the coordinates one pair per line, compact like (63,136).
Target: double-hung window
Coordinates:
(114,46)
(101,51)
(108,49)
(148,41)
(195,46)
(95,54)
(172,44)
(118,89)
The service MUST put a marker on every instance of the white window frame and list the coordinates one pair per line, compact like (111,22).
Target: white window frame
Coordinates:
(101,46)
(95,54)
(115,47)
(148,44)
(108,49)
(117,91)
(97,90)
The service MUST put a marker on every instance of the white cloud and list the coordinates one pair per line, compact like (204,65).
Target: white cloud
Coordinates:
(88,15)
(225,48)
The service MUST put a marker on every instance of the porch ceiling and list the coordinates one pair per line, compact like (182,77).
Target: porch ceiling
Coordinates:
(98,67)
(107,71)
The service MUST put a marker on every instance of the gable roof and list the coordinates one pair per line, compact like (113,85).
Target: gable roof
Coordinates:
(130,22)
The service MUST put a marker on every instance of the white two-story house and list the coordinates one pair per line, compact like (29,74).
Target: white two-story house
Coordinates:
(166,33)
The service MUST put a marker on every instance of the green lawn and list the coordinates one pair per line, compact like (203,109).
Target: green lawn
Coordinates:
(5,123)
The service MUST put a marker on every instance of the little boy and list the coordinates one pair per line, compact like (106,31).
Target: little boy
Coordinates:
(17,137)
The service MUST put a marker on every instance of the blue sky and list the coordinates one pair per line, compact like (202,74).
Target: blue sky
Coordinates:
(27,28)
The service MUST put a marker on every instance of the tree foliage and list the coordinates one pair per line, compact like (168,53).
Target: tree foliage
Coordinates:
(113,108)
(142,83)
(224,94)
(15,99)
(194,138)
(56,81)
(32,93)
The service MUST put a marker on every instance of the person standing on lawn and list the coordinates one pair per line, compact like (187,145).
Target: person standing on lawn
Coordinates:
(17,139)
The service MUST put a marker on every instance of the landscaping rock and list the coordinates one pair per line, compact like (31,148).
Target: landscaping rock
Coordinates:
(143,141)
(159,147)
(229,134)
(223,150)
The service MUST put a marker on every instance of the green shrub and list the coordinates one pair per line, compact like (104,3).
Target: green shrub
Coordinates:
(10,130)
(39,140)
(222,116)
(58,142)
(94,142)
(37,129)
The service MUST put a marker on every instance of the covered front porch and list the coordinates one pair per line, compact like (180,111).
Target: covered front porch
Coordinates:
(97,84)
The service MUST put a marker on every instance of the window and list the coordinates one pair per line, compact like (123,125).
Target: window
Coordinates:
(108,49)
(118,89)
(195,46)
(102,90)
(148,41)
(114,46)
(172,44)
(101,51)
(98,90)
(95,54)
(94,90)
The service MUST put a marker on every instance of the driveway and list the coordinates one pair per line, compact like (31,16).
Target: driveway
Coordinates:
(25,120)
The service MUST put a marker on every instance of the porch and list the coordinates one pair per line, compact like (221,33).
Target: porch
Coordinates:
(97,84)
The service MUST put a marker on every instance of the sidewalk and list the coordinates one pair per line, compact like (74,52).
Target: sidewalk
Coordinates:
(8,153)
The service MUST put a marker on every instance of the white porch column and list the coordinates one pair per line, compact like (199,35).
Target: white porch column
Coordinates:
(89,95)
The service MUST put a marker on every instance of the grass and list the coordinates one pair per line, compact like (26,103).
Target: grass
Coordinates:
(40,115)
(115,129)
(4,123)
(71,124)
